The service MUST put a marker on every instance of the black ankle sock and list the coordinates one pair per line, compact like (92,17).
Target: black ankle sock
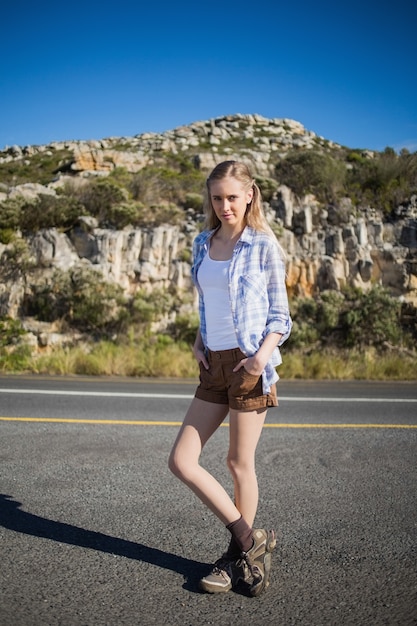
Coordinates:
(241,534)
(233,549)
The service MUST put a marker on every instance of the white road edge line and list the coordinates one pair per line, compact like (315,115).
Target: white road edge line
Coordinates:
(172,396)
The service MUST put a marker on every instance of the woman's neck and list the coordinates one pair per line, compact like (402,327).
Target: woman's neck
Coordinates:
(228,235)
(223,242)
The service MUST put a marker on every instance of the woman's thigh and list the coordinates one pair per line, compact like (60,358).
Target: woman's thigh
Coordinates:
(201,421)
(245,431)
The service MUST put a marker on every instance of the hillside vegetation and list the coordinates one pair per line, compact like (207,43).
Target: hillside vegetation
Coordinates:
(161,192)
(151,180)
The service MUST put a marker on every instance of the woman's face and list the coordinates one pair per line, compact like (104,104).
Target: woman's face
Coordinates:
(229,200)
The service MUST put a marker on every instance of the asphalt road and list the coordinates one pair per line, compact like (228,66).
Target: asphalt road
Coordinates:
(95,531)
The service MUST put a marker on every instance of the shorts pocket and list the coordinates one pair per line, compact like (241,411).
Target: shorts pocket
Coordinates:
(246,383)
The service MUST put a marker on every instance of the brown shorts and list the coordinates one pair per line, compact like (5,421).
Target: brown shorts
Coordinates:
(239,390)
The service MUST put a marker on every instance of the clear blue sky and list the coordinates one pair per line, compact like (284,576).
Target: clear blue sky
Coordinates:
(89,70)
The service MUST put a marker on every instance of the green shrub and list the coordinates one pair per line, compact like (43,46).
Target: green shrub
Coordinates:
(145,308)
(82,299)
(194,201)
(384,181)
(16,260)
(96,306)
(100,195)
(17,359)
(119,216)
(7,235)
(329,305)
(350,319)
(154,185)
(10,213)
(355,157)
(121,177)
(37,168)
(304,333)
(49,211)
(268,187)
(11,331)
(158,214)
(51,300)
(312,172)
(185,328)
(14,355)
(370,318)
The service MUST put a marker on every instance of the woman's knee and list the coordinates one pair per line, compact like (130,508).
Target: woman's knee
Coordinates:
(174,463)
(180,466)
(240,469)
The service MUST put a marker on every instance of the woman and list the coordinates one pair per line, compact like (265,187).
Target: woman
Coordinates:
(238,269)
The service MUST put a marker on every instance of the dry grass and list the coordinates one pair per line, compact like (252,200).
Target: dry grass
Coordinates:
(108,359)
(154,358)
(349,365)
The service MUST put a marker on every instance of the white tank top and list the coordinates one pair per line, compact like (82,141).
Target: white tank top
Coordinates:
(213,277)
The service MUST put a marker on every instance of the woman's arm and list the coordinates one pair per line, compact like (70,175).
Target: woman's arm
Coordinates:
(198,350)
(278,319)
(256,364)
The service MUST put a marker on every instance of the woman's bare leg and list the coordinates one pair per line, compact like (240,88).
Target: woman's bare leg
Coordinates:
(245,431)
(201,421)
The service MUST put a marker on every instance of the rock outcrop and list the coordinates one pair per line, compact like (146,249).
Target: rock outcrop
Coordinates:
(327,247)
(252,137)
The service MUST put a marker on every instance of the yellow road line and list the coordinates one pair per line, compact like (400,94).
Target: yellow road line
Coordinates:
(60,420)
(65,420)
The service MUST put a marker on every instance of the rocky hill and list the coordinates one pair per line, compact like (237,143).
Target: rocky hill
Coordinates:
(258,139)
(330,241)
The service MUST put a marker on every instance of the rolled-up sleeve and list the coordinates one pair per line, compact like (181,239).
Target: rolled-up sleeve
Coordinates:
(278,319)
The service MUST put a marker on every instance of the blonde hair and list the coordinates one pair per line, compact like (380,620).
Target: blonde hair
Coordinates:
(254,215)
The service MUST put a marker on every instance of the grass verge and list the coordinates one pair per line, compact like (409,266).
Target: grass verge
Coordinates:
(168,359)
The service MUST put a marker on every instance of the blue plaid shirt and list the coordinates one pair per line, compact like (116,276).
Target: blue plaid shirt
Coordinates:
(257,293)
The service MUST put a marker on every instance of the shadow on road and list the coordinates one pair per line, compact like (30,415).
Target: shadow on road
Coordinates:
(12,517)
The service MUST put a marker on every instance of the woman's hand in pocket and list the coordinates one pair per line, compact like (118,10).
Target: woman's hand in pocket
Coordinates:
(251,365)
(200,357)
